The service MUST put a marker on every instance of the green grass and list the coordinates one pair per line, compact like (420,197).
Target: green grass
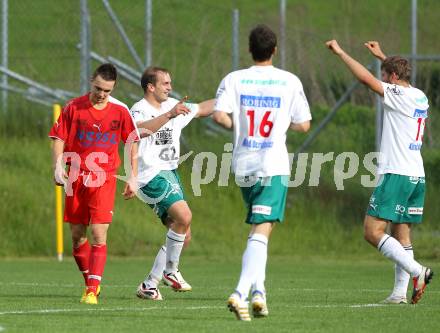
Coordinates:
(193,38)
(305,295)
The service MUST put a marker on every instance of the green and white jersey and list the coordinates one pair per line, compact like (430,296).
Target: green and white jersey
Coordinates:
(405,112)
(264,101)
(161,150)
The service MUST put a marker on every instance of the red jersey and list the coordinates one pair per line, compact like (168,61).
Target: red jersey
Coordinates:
(94,134)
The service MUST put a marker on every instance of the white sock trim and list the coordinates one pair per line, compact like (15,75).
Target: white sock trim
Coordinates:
(258,238)
(382,241)
(175,236)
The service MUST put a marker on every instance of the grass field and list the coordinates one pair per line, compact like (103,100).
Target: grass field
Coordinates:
(305,295)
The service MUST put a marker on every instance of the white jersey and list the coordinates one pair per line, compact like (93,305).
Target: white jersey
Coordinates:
(264,101)
(405,112)
(161,150)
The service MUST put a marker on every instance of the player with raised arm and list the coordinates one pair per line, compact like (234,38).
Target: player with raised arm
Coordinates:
(86,136)
(399,195)
(264,102)
(160,120)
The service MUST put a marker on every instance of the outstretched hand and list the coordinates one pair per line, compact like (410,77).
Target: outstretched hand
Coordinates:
(130,189)
(179,108)
(334,47)
(375,49)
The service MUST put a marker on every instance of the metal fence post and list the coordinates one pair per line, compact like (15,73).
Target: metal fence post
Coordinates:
(123,34)
(85,47)
(5,54)
(282,47)
(148,33)
(413,42)
(235,39)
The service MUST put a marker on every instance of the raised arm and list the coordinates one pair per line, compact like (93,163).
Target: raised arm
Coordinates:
(375,50)
(206,108)
(151,126)
(358,70)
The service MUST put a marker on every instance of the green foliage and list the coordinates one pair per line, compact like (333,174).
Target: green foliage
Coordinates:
(24,120)
(352,129)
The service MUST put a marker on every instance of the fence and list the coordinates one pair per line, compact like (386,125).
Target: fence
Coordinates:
(48,43)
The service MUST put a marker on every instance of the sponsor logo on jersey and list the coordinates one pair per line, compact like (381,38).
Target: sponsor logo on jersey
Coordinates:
(256,144)
(415,146)
(81,122)
(420,113)
(115,125)
(415,210)
(98,126)
(260,101)
(260,209)
(96,139)
(264,82)
(400,209)
(134,112)
(164,136)
(395,91)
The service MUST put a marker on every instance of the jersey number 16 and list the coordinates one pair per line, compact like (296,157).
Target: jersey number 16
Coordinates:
(265,126)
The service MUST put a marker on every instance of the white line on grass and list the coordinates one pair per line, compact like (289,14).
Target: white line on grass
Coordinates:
(131,309)
(36,284)
(351,290)
(49,311)
(321,306)
(373,305)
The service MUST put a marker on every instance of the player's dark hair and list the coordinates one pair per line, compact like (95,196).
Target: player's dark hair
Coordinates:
(150,76)
(107,71)
(262,42)
(398,65)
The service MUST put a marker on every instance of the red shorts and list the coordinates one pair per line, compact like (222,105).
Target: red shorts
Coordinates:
(90,204)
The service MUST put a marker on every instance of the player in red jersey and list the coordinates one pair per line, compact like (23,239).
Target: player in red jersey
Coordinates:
(86,138)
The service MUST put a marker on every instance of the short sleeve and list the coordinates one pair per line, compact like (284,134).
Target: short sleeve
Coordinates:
(60,130)
(300,110)
(184,120)
(392,96)
(137,114)
(224,100)
(129,132)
